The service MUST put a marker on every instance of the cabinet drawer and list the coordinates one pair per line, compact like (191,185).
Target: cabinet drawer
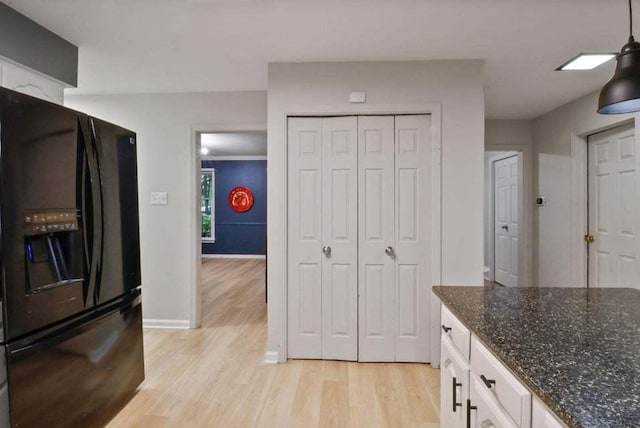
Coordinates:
(456,331)
(501,384)
(485,412)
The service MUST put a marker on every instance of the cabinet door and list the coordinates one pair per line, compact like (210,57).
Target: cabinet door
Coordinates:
(454,386)
(376,233)
(340,233)
(483,411)
(413,243)
(305,238)
(22,80)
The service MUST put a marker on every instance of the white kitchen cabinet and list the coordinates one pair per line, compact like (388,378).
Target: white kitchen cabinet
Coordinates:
(487,394)
(483,411)
(454,386)
(31,83)
(456,331)
(498,381)
(541,417)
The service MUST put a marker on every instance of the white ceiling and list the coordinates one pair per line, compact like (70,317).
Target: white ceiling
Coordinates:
(225,45)
(235,143)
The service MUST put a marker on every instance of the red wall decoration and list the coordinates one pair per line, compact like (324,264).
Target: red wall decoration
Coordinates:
(240,199)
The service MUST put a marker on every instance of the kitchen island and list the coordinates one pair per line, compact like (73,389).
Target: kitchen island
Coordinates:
(576,349)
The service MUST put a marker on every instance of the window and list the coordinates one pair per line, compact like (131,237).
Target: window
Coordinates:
(207,204)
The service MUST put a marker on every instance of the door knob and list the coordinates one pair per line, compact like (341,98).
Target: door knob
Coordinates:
(390,252)
(589,238)
(326,250)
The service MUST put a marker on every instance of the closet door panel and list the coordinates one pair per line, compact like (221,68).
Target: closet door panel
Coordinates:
(376,233)
(412,226)
(340,233)
(305,239)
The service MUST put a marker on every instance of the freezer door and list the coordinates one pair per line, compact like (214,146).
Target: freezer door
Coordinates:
(47,215)
(119,270)
(80,377)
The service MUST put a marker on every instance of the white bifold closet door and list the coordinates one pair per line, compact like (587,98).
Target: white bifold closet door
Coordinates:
(359,278)
(340,238)
(394,222)
(323,238)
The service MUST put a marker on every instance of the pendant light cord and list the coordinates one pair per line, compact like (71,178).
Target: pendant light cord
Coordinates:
(630,22)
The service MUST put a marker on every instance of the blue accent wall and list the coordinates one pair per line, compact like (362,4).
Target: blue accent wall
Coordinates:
(239,233)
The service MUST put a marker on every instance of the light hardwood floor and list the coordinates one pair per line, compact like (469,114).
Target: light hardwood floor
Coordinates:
(215,376)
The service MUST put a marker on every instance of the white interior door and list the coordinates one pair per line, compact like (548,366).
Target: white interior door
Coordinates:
(378,212)
(304,302)
(340,234)
(412,230)
(506,221)
(614,209)
(376,191)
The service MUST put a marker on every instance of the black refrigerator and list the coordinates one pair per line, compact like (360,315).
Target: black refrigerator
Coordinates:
(71,330)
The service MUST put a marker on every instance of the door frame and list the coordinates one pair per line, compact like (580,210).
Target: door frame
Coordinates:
(525,207)
(492,224)
(279,320)
(579,208)
(194,289)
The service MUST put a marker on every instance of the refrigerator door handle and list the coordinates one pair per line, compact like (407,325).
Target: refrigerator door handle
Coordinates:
(91,227)
(99,226)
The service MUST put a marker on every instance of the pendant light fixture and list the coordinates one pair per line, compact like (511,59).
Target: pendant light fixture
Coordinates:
(621,94)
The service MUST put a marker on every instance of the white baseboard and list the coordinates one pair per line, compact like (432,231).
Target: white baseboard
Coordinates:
(177,324)
(271,357)
(234,256)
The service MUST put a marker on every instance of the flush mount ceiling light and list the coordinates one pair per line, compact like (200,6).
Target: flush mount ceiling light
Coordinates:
(621,94)
(586,61)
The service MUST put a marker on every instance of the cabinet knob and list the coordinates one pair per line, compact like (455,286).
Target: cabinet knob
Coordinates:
(390,251)
(445,328)
(488,382)
(326,250)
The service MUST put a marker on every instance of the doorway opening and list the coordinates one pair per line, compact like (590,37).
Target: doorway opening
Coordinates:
(232,188)
(504,213)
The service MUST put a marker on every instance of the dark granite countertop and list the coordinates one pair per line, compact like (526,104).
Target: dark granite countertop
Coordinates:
(578,350)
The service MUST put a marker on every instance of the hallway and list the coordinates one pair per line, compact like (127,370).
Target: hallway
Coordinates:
(215,376)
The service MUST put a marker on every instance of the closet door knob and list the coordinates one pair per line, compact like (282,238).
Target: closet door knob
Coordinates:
(326,250)
(390,252)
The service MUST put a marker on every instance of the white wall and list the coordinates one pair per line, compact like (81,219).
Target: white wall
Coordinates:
(558,238)
(456,86)
(508,133)
(164,125)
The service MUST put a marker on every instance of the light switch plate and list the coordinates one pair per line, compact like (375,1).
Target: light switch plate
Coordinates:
(159,198)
